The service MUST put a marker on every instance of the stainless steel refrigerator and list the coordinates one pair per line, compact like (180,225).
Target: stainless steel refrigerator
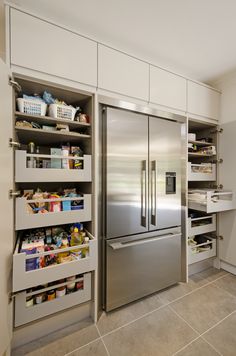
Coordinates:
(141,205)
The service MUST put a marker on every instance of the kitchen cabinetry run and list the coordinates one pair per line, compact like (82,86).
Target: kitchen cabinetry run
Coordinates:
(203,101)
(54,198)
(42,46)
(167,89)
(206,197)
(122,74)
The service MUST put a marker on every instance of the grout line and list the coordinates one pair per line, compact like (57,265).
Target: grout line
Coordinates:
(184,347)
(132,321)
(197,332)
(219,322)
(81,347)
(108,353)
(212,346)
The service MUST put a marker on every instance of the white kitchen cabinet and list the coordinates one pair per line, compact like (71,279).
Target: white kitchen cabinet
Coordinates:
(203,101)
(167,89)
(122,74)
(38,45)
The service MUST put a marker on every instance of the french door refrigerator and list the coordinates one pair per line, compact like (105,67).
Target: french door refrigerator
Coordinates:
(141,205)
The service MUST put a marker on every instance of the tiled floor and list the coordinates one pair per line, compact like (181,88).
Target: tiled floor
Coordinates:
(194,319)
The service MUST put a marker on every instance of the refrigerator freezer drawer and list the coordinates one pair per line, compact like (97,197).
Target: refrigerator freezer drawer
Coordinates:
(141,266)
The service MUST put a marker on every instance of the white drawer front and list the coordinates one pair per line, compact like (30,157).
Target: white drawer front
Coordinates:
(208,225)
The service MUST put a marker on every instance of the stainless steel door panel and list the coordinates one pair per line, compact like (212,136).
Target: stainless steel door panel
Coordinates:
(140,266)
(165,166)
(126,173)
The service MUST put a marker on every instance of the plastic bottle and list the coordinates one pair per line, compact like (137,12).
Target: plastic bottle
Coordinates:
(85,250)
(76,240)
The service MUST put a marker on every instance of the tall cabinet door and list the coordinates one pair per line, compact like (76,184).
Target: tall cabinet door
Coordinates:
(126,173)
(165,173)
(6,208)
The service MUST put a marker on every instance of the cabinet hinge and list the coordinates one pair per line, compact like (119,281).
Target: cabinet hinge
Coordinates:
(220,160)
(16,86)
(220,237)
(14,143)
(217,130)
(13,194)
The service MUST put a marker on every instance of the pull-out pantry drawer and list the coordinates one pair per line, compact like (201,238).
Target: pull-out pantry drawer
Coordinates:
(201,172)
(23,278)
(211,201)
(25,174)
(27,220)
(201,225)
(197,253)
(25,313)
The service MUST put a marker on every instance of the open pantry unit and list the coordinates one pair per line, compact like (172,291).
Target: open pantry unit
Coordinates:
(55,255)
(206,196)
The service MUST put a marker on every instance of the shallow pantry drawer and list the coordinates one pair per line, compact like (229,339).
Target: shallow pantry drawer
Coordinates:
(25,174)
(196,172)
(214,202)
(23,279)
(24,314)
(201,255)
(39,45)
(201,225)
(167,88)
(26,220)
(123,74)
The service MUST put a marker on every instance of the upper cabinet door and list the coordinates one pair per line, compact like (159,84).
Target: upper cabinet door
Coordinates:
(167,89)
(6,208)
(120,73)
(203,101)
(41,46)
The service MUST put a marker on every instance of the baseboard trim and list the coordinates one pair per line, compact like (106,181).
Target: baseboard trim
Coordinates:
(228,267)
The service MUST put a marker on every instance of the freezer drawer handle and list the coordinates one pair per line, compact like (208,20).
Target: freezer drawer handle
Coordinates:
(153,192)
(144,193)
(119,245)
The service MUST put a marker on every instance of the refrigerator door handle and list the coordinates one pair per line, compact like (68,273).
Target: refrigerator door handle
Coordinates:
(144,193)
(154,192)
(120,245)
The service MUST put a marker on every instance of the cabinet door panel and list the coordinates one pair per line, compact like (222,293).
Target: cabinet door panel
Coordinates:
(122,74)
(6,208)
(41,46)
(203,101)
(167,89)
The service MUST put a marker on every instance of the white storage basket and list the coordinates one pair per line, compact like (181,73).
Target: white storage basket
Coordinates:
(62,111)
(32,107)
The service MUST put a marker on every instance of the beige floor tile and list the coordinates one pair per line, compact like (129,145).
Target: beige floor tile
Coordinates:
(114,319)
(228,283)
(212,274)
(160,333)
(69,343)
(179,290)
(198,348)
(96,348)
(223,336)
(205,307)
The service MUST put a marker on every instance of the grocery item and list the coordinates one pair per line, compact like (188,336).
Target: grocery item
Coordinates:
(55,206)
(71,286)
(65,152)
(61,291)
(51,294)
(56,162)
(77,152)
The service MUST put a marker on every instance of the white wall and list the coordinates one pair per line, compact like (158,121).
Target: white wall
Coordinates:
(2,31)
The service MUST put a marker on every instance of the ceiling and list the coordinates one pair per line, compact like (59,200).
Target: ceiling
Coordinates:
(195,38)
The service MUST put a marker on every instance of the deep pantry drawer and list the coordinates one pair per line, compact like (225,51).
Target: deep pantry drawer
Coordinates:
(201,225)
(202,255)
(211,201)
(24,314)
(23,279)
(24,174)
(195,172)
(25,220)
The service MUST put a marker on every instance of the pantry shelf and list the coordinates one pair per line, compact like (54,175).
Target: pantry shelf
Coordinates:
(46,137)
(200,143)
(45,120)
(195,154)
